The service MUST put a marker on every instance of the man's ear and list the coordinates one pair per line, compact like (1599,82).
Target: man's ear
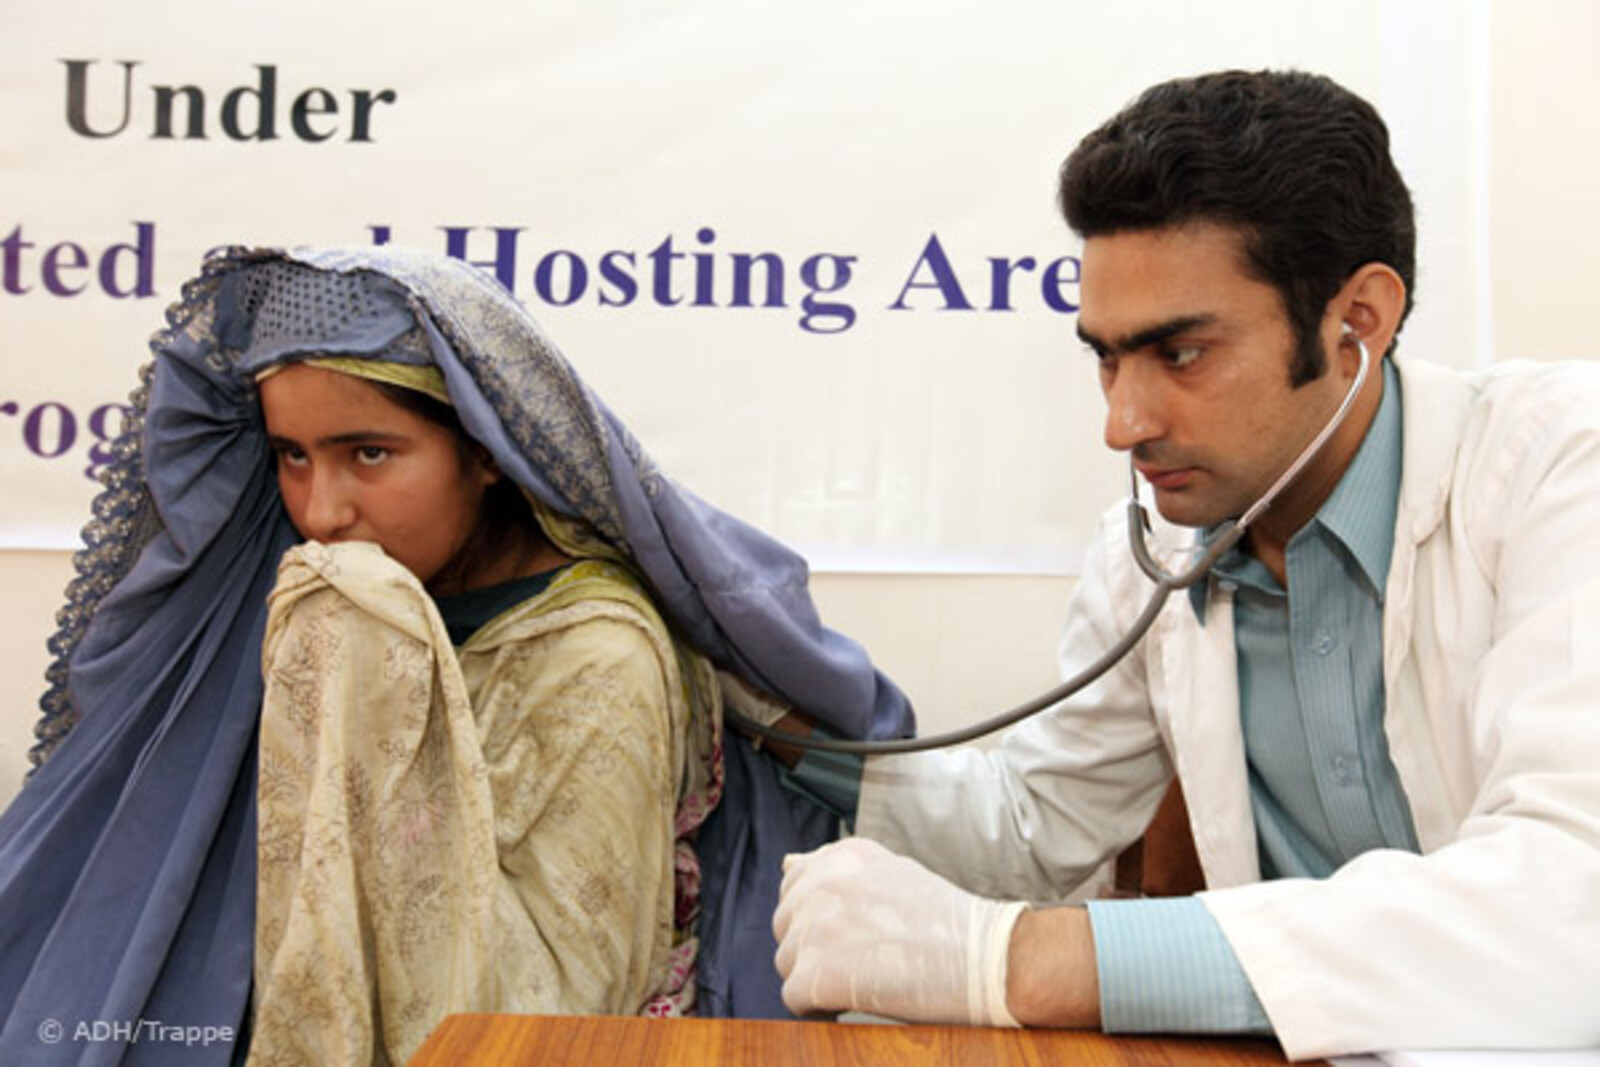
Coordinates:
(1368,306)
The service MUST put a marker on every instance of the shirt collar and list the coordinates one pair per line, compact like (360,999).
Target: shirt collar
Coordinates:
(1361,511)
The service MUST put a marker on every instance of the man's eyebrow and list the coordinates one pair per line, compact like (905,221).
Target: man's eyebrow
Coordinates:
(1145,338)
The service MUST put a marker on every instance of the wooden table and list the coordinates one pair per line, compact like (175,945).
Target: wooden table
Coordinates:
(589,1039)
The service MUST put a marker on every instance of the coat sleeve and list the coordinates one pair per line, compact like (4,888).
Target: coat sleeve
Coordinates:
(1037,814)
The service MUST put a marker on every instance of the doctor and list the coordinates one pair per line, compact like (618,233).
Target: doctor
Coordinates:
(1383,706)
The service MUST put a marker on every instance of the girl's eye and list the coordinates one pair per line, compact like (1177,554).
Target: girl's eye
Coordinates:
(371,455)
(292,457)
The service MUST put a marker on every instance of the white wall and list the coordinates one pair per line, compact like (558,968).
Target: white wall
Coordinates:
(970,644)
(1544,170)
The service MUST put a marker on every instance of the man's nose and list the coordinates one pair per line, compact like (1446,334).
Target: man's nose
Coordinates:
(1134,406)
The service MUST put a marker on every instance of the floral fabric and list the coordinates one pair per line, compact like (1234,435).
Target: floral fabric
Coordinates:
(500,827)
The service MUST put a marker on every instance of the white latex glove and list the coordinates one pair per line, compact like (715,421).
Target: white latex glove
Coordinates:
(860,928)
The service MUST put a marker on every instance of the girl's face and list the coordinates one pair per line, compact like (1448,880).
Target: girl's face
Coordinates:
(355,466)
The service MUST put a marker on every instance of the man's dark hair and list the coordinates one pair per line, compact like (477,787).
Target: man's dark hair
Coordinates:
(1297,163)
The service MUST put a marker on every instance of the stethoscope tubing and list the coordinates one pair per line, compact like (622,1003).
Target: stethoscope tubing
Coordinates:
(1165,583)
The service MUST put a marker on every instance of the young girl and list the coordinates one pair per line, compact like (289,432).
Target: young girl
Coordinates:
(473,746)
(366,513)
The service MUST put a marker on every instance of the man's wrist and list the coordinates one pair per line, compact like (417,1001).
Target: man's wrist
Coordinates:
(1051,979)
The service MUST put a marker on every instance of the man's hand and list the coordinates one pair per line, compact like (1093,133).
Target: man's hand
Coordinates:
(862,929)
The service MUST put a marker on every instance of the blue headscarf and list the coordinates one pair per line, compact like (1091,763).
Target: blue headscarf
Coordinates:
(127,862)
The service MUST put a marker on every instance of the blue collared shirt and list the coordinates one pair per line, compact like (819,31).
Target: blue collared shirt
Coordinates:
(1311,701)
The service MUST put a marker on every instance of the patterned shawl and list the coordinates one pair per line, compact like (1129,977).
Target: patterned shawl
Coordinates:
(127,861)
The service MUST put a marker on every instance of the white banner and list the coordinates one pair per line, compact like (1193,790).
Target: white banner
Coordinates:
(809,252)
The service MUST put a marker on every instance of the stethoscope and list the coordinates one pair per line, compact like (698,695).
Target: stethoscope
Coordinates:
(1139,527)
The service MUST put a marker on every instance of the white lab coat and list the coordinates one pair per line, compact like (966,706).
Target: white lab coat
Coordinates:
(1490,937)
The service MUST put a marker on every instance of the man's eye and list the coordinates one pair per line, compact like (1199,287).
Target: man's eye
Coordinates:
(1183,356)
